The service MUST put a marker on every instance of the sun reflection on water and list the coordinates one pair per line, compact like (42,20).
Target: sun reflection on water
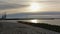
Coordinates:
(34,21)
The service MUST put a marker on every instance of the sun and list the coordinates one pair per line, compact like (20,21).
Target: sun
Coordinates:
(34,6)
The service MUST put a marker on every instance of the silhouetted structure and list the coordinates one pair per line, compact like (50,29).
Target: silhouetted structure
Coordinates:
(4,16)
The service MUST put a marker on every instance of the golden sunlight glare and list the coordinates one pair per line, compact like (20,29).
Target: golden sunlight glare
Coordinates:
(34,21)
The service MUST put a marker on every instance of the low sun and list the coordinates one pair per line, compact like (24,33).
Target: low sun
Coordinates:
(34,6)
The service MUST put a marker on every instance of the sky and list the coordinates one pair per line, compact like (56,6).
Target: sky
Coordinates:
(15,7)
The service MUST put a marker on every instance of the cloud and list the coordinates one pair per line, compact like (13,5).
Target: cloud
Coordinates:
(38,15)
(6,5)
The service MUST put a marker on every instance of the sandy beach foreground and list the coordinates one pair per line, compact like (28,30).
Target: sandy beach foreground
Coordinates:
(19,28)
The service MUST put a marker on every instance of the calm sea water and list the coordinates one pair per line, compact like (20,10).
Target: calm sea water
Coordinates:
(52,22)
